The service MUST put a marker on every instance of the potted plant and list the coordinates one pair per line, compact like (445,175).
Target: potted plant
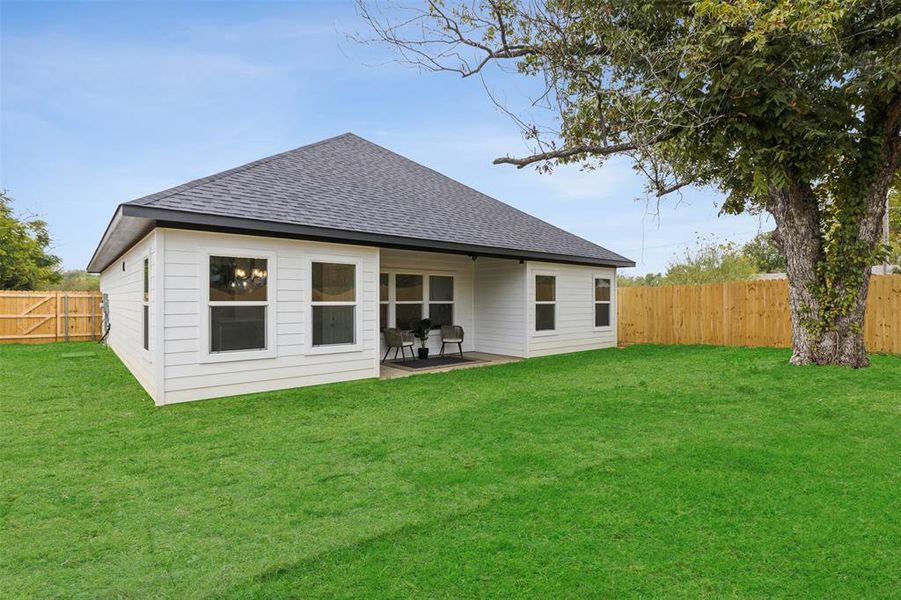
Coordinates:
(421,332)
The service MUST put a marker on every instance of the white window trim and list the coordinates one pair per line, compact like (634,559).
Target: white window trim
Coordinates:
(357,345)
(612,279)
(534,297)
(271,349)
(148,351)
(425,302)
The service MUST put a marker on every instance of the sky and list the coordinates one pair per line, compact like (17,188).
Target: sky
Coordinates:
(104,102)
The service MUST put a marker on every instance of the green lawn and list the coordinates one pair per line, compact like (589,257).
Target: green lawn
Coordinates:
(650,471)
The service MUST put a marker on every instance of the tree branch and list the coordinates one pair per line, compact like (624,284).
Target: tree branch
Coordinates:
(669,189)
(438,47)
(593,150)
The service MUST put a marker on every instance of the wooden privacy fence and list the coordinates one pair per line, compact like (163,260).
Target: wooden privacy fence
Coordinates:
(744,313)
(36,317)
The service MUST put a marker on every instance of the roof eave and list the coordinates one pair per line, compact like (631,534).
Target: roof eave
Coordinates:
(177,219)
(92,264)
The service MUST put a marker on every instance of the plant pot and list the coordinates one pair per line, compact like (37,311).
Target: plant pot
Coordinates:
(423,353)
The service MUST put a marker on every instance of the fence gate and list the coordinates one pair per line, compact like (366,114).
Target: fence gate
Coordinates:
(49,316)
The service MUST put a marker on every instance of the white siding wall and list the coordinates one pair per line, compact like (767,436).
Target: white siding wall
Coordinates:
(188,377)
(432,263)
(126,292)
(500,306)
(493,301)
(575,328)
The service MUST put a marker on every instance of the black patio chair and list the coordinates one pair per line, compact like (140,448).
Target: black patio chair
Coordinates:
(397,339)
(452,334)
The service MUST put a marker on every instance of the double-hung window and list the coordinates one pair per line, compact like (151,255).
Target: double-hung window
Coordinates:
(408,300)
(238,303)
(545,302)
(334,303)
(601,302)
(145,302)
(441,300)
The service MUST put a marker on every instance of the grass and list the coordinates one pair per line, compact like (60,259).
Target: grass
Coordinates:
(649,471)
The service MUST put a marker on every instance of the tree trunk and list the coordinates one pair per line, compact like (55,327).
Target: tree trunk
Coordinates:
(840,343)
(815,340)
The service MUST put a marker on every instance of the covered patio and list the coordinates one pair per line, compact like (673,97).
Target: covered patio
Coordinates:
(436,364)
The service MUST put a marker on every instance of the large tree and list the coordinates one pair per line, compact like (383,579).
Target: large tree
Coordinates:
(25,260)
(788,106)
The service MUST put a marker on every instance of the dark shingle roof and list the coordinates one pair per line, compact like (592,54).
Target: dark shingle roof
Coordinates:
(350,184)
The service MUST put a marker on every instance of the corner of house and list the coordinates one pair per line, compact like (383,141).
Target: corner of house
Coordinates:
(158,306)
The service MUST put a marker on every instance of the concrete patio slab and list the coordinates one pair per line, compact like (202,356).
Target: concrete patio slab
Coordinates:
(479,359)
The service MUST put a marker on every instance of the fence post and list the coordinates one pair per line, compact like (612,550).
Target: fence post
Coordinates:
(56,317)
(66,315)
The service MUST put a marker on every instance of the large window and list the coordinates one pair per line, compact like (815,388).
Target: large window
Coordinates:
(408,300)
(601,302)
(415,296)
(238,303)
(145,308)
(334,303)
(441,300)
(545,302)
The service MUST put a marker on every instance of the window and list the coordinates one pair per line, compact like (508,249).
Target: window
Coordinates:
(237,328)
(146,279)
(545,302)
(145,309)
(601,302)
(408,300)
(238,303)
(334,303)
(383,301)
(441,300)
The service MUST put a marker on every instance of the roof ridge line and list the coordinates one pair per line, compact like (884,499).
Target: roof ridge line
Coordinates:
(188,185)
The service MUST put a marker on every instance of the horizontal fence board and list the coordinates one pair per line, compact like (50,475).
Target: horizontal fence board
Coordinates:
(34,317)
(742,313)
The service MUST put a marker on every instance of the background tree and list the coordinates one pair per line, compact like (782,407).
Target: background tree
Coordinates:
(77,280)
(25,260)
(894,207)
(711,261)
(646,280)
(764,253)
(788,106)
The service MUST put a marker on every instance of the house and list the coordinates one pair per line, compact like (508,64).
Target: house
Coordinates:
(281,273)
